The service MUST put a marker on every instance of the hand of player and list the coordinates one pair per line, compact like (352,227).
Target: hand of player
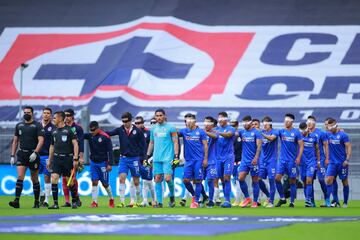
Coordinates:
(12,160)
(33,157)
(326,162)
(318,165)
(148,161)
(108,168)
(297,161)
(175,162)
(345,163)
(48,165)
(81,160)
(254,161)
(75,164)
(205,163)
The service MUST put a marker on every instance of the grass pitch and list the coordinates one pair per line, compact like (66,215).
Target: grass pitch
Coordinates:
(298,231)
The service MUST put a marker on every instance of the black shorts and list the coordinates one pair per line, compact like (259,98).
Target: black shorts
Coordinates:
(23,160)
(62,165)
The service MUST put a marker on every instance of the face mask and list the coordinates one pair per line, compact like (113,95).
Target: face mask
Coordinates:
(27,117)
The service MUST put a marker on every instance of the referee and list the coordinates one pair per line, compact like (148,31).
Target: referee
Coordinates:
(29,135)
(63,157)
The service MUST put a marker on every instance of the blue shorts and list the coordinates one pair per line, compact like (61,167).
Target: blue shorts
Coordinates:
(193,170)
(337,169)
(321,172)
(129,163)
(225,167)
(307,170)
(211,172)
(163,168)
(268,170)
(288,168)
(98,172)
(42,167)
(248,167)
(146,172)
(235,170)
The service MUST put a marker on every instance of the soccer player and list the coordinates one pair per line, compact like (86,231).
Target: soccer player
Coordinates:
(237,154)
(196,157)
(48,127)
(163,144)
(29,135)
(256,124)
(79,133)
(63,158)
(291,150)
(309,160)
(251,140)
(146,171)
(101,155)
(132,151)
(268,156)
(340,154)
(324,152)
(225,155)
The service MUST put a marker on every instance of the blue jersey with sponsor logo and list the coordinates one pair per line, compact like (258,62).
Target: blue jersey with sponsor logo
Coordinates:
(269,148)
(225,146)
(47,139)
(309,155)
(322,137)
(211,150)
(193,145)
(289,144)
(162,136)
(337,152)
(248,138)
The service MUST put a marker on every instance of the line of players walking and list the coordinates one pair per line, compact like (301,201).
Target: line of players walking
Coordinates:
(55,146)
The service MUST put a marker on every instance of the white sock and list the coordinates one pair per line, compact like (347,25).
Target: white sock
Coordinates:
(145,191)
(47,192)
(132,191)
(137,191)
(152,189)
(122,188)
(216,194)
(237,191)
(94,193)
(109,192)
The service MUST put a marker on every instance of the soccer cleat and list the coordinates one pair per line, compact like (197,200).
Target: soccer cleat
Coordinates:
(172,202)
(94,205)
(269,205)
(194,205)
(308,204)
(78,202)
(36,204)
(280,202)
(120,205)
(266,202)
(218,203)
(74,205)
(335,205)
(210,204)
(291,205)
(144,204)
(254,205)
(111,203)
(132,205)
(345,205)
(235,204)
(45,205)
(246,202)
(55,206)
(158,205)
(42,198)
(66,205)
(183,202)
(14,204)
(226,204)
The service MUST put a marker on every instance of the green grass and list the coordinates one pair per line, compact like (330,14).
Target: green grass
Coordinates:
(328,231)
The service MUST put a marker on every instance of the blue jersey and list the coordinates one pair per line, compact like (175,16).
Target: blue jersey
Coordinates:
(100,147)
(337,150)
(47,139)
(269,148)
(162,136)
(289,144)
(211,150)
(193,145)
(322,137)
(225,146)
(249,146)
(309,155)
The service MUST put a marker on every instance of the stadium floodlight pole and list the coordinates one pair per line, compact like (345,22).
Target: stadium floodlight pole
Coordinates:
(22,67)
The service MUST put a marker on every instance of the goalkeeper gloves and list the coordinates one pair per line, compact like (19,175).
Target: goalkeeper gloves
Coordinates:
(175,163)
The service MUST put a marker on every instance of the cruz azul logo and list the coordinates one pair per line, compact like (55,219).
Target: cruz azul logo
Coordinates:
(167,62)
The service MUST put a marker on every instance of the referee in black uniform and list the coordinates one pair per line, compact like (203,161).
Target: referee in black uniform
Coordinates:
(63,157)
(29,135)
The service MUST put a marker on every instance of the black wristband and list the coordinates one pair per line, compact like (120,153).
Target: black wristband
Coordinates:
(12,156)
(176,155)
